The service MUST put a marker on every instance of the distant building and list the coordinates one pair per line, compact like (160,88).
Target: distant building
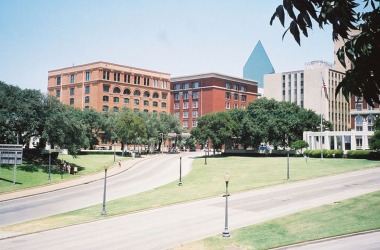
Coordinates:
(196,95)
(257,65)
(107,86)
(304,87)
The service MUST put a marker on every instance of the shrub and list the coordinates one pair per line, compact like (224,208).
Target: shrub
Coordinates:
(363,154)
(316,153)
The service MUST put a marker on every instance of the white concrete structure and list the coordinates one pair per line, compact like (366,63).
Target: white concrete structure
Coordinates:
(304,87)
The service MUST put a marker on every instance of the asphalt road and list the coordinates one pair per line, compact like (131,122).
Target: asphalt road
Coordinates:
(172,226)
(148,174)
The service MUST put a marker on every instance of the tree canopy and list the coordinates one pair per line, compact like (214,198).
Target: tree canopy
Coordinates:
(345,16)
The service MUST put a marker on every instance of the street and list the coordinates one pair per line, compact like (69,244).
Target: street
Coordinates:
(148,174)
(175,225)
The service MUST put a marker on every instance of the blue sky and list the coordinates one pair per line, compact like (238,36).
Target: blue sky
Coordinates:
(173,36)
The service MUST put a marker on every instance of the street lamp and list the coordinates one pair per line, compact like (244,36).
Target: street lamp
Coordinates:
(105,189)
(180,169)
(49,179)
(206,148)
(114,152)
(287,151)
(162,143)
(226,233)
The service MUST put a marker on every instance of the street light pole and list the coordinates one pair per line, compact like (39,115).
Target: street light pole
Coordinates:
(162,143)
(180,169)
(226,233)
(287,150)
(49,179)
(114,152)
(105,189)
(206,148)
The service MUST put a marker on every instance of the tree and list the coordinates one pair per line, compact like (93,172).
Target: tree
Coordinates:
(300,144)
(362,49)
(374,142)
(95,123)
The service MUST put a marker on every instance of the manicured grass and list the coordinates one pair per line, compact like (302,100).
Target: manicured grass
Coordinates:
(358,214)
(206,181)
(32,174)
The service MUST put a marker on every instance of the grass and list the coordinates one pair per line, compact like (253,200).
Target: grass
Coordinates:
(31,174)
(205,181)
(357,214)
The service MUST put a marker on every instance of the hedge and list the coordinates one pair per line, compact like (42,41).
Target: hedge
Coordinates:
(363,154)
(326,153)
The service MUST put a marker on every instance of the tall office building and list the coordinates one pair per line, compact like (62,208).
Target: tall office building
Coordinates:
(304,87)
(107,86)
(257,65)
(196,95)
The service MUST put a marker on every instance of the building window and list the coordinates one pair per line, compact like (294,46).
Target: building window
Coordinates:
(72,91)
(72,78)
(243,88)
(88,76)
(228,86)
(71,101)
(359,106)
(146,103)
(164,96)
(155,104)
(185,124)
(105,108)
(176,114)
(115,109)
(371,123)
(228,95)
(146,94)
(127,78)
(86,107)
(146,81)
(126,92)
(116,99)
(106,75)
(186,86)
(195,104)
(87,99)
(359,123)
(155,83)
(58,80)
(58,93)
(136,101)
(243,106)
(236,87)
(177,86)
(87,89)
(185,96)
(236,97)
(186,105)
(359,142)
(176,96)
(195,123)
(164,84)
(243,98)
(116,77)
(137,80)
(106,88)
(195,114)
(228,105)
(105,98)
(163,105)
(126,100)
(155,95)
(195,85)
(146,111)
(185,114)
(137,92)
(116,90)
(195,95)
(236,105)
(176,105)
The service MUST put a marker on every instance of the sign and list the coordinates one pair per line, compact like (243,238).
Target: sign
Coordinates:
(10,154)
(185,135)
(172,134)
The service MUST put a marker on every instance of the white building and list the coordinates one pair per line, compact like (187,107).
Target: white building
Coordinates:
(304,87)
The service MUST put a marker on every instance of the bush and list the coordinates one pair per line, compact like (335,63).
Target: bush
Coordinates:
(363,154)
(316,153)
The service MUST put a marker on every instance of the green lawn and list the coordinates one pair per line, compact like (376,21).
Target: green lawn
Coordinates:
(207,181)
(31,174)
(350,216)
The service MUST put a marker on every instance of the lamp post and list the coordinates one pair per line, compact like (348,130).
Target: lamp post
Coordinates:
(226,233)
(180,169)
(162,143)
(206,148)
(105,189)
(114,152)
(49,178)
(287,151)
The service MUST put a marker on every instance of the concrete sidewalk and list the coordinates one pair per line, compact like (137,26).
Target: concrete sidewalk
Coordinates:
(81,180)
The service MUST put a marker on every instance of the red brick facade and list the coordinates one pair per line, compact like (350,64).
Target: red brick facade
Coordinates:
(197,95)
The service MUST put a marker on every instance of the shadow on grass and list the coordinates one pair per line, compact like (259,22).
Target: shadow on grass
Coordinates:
(17,183)
(28,168)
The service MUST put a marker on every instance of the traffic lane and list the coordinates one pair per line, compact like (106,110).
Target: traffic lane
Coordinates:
(175,225)
(143,176)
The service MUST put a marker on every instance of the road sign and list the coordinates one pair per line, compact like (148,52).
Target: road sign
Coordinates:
(11,154)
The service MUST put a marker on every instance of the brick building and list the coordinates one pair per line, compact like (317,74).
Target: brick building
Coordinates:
(107,86)
(196,95)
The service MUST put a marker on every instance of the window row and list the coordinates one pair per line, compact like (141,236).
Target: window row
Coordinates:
(105,108)
(58,79)
(185,114)
(126,91)
(236,105)
(179,86)
(146,81)
(235,96)
(359,123)
(185,124)
(186,105)
(185,95)
(236,87)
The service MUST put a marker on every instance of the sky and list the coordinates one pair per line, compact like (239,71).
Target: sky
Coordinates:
(179,37)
